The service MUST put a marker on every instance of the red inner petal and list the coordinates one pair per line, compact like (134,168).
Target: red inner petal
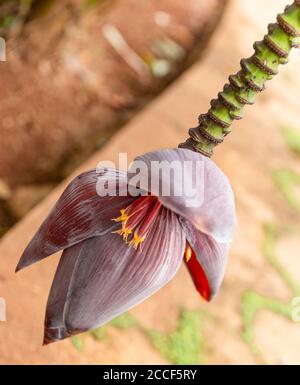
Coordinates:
(198,276)
(152,213)
(138,218)
(139,204)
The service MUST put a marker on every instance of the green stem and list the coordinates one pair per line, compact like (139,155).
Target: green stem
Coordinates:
(243,87)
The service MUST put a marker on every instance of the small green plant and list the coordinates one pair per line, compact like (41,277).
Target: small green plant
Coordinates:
(286,181)
(92,3)
(253,302)
(78,343)
(99,334)
(292,138)
(184,345)
(124,321)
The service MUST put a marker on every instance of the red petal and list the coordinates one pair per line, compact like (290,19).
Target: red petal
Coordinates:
(198,276)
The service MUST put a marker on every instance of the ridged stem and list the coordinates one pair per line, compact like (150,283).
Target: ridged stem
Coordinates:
(243,87)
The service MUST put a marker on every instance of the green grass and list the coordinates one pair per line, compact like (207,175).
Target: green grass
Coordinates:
(184,345)
(7,21)
(99,334)
(271,234)
(78,343)
(286,180)
(292,138)
(124,321)
(92,3)
(253,302)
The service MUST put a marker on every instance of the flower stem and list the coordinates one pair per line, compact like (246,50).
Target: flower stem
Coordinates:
(243,87)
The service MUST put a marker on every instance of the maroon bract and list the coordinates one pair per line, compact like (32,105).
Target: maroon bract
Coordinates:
(119,250)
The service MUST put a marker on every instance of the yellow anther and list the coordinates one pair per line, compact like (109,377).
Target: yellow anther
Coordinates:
(124,232)
(122,218)
(136,241)
(136,220)
(188,253)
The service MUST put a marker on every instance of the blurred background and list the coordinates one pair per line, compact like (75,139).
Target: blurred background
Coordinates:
(87,79)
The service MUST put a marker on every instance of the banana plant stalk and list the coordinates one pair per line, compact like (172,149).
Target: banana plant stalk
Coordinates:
(250,80)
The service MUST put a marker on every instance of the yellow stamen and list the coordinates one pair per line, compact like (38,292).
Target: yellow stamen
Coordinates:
(188,252)
(136,241)
(136,220)
(123,217)
(124,232)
